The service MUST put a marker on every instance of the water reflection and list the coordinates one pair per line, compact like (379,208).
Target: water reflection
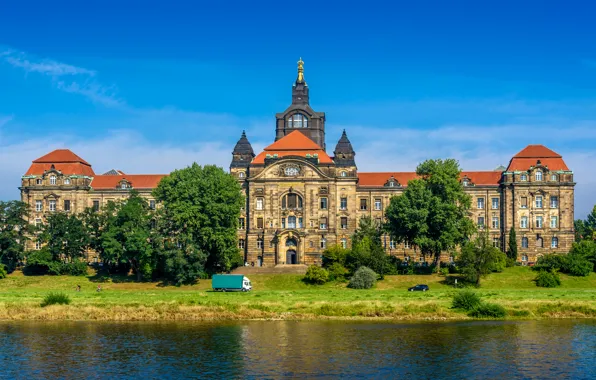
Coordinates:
(533,349)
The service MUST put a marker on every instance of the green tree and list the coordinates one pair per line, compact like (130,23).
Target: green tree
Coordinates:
(204,205)
(512,251)
(367,248)
(14,232)
(433,210)
(65,236)
(97,224)
(478,258)
(585,249)
(586,229)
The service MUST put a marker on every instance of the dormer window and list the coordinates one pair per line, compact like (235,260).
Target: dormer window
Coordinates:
(52,180)
(553,177)
(123,185)
(241,175)
(298,120)
(523,178)
(343,174)
(465,182)
(38,181)
(538,175)
(67,181)
(391,184)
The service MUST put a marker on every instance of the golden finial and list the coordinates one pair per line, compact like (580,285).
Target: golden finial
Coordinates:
(300,70)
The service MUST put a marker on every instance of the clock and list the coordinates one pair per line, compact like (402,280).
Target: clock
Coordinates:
(291,171)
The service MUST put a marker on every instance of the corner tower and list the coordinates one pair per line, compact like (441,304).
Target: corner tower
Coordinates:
(299,115)
(242,156)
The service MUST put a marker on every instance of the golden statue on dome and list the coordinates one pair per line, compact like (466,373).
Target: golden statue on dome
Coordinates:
(300,71)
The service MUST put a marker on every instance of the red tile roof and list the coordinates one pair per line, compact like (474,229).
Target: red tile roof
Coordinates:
(491,178)
(137,181)
(293,144)
(530,155)
(64,161)
(484,178)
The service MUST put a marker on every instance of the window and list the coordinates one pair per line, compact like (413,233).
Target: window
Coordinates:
(240,223)
(377,204)
(480,203)
(495,222)
(291,201)
(311,244)
(271,224)
(391,244)
(554,201)
(495,203)
(67,181)
(481,221)
(344,222)
(323,243)
(523,177)
(538,222)
(363,204)
(538,201)
(553,177)
(391,184)
(343,174)
(554,222)
(298,120)
(554,242)
(96,205)
(241,243)
(524,222)
(260,223)
(524,202)
(52,205)
(37,246)
(323,203)
(539,242)
(259,243)
(538,175)
(38,206)
(524,243)
(241,175)
(466,182)
(123,185)
(323,223)
(37,222)
(407,244)
(291,221)
(343,203)
(259,203)
(283,222)
(152,204)
(66,205)
(344,243)
(38,181)
(300,222)
(496,242)
(524,257)
(52,180)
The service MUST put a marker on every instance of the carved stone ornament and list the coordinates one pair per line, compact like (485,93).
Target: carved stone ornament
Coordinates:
(289,170)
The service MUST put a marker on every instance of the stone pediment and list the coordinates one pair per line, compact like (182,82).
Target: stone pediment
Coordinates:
(291,167)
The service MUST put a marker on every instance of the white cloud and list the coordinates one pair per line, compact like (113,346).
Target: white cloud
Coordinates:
(46,66)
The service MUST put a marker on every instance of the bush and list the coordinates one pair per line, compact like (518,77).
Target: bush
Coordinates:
(337,272)
(316,275)
(55,299)
(466,300)
(488,310)
(577,265)
(3,272)
(444,271)
(364,278)
(510,262)
(500,263)
(548,279)
(38,263)
(550,263)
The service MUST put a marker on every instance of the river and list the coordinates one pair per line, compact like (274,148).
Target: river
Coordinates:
(284,349)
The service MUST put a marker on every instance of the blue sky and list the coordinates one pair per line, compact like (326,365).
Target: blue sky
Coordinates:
(147,87)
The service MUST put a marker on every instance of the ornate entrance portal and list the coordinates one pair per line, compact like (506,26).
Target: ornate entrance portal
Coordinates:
(291,253)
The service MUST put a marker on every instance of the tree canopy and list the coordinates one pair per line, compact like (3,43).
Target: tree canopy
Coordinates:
(14,232)
(479,258)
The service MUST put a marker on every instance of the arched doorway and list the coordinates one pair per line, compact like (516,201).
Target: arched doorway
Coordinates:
(291,251)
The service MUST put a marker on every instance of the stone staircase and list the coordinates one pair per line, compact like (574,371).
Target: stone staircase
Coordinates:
(278,269)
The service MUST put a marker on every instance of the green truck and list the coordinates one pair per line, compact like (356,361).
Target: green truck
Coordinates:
(230,283)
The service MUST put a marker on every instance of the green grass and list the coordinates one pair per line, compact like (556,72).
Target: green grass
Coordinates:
(287,296)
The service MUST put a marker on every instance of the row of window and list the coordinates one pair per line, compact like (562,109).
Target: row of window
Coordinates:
(480,203)
(294,201)
(53,181)
(67,205)
(293,222)
(538,202)
(538,176)
(261,243)
(554,222)
(554,242)
(494,224)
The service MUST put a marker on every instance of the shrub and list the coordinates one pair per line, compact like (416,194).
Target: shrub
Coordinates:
(465,300)
(577,265)
(55,299)
(444,271)
(38,263)
(548,279)
(316,275)
(3,272)
(488,310)
(510,262)
(364,278)
(337,272)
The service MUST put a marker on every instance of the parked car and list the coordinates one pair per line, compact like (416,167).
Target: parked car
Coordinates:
(418,288)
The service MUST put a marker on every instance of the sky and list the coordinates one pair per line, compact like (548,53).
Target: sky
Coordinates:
(148,87)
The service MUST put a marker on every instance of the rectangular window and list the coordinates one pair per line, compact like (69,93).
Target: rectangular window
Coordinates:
(300,222)
(524,242)
(480,203)
(407,244)
(524,202)
(553,222)
(260,223)
(38,206)
(241,243)
(311,244)
(344,222)
(323,204)
(495,202)
(377,204)
(96,205)
(539,201)
(259,203)
(241,223)
(495,222)
(363,204)
(37,222)
(523,223)
(66,205)
(538,222)
(259,243)
(554,243)
(323,243)
(344,243)
(283,222)
(554,201)
(343,203)
(392,244)
(481,221)
(323,223)
(496,242)
(291,222)
(52,205)
(37,246)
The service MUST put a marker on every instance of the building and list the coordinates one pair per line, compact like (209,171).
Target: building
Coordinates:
(300,199)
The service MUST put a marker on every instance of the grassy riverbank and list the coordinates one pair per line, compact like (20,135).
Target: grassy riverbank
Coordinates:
(287,297)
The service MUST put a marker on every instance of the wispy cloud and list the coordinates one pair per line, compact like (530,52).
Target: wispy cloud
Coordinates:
(65,77)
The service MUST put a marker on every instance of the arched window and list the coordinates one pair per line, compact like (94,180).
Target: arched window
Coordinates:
(523,178)
(241,243)
(344,174)
(52,180)
(538,175)
(524,242)
(67,181)
(297,120)
(554,243)
(241,175)
(553,177)
(323,243)
(38,181)
(539,242)
(344,243)
(291,201)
